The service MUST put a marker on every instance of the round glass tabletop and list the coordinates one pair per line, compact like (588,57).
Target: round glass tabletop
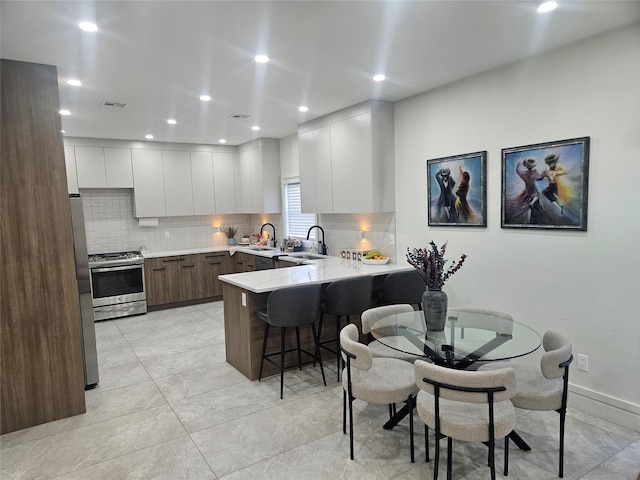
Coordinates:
(469,336)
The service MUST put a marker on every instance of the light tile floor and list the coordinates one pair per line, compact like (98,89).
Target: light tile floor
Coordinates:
(168,406)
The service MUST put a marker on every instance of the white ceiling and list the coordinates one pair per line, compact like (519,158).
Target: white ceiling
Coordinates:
(160,56)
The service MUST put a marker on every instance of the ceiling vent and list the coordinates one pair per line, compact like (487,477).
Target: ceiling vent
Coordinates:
(107,103)
(239,116)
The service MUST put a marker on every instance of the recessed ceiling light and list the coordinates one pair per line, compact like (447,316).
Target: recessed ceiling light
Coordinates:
(303,109)
(74,82)
(547,7)
(379,77)
(62,131)
(261,58)
(171,121)
(205,98)
(88,26)
(222,140)
(65,112)
(148,136)
(255,128)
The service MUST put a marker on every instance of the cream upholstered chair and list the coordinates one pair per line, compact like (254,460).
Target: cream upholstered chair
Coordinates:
(379,350)
(466,405)
(384,381)
(545,388)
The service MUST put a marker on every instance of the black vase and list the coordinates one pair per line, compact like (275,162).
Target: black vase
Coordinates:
(434,305)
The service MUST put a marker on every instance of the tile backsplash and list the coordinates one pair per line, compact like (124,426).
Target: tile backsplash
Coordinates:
(111,227)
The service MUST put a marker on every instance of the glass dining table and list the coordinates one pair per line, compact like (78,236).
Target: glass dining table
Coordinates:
(469,336)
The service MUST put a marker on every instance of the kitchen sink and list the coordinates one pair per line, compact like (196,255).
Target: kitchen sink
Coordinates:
(260,249)
(306,255)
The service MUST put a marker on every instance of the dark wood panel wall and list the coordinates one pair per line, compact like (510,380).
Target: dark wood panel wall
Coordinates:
(41,371)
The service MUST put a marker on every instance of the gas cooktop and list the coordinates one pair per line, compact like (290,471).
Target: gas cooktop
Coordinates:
(115,259)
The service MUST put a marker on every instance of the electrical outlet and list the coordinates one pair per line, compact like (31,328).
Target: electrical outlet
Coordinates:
(244,299)
(167,234)
(392,239)
(583,362)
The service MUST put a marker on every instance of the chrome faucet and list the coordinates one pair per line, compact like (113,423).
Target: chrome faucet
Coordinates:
(324,246)
(275,242)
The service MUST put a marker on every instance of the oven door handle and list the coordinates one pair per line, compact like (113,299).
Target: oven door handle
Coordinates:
(114,269)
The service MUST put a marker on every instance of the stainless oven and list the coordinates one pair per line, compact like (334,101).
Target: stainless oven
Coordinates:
(117,285)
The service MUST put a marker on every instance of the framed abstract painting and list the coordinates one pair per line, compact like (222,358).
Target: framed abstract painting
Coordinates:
(457,190)
(545,185)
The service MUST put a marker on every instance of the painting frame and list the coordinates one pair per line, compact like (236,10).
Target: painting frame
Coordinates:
(546,185)
(457,190)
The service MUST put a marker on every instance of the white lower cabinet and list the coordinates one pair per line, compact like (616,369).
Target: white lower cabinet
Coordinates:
(148,177)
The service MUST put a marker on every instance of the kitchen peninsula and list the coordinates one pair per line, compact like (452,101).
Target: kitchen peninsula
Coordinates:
(245,293)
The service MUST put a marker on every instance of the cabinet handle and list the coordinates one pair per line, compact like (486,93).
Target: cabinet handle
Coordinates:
(188,266)
(158,269)
(213,256)
(174,260)
(215,263)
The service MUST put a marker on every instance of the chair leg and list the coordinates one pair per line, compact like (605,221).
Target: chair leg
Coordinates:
(561,461)
(264,349)
(436,458)
(299,354)
(319,333)
(492,459)
(344,411)
(412,404)
(282,331)
(426,444)
(316,339)
(350,423)
(506,455)
(338,345)
(449,455)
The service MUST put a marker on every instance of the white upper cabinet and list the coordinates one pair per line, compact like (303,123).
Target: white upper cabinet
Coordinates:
(148,177)
(99,167)
(223,182)
(90,167)
(178,191)
(315,170)
(70,163)
(348,156)
(117,166)
(204,202)
(258,177)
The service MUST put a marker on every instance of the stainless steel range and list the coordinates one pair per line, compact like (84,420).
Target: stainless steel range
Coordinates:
(117,285)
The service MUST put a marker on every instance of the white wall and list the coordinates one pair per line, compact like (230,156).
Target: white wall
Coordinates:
(585,285)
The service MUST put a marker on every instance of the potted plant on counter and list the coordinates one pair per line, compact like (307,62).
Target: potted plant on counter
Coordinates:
(430,263)
(292,244)
(231,231)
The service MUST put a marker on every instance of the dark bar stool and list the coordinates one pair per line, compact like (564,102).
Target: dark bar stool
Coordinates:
(403,287)
(343,298)
(291,307)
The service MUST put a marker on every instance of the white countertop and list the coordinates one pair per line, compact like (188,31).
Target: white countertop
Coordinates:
(315,271)
(269,252)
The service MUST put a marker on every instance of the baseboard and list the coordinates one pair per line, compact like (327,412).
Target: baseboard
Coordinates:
(604,406)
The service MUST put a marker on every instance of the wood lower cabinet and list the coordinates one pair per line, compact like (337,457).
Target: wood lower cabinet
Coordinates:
(243,262)
(184,278)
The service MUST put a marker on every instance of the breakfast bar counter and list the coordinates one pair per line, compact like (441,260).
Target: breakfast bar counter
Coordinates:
(245,293)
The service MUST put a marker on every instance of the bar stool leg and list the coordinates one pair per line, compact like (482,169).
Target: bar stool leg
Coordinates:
(299,354)
(264,349)
(317,352)
(282,331)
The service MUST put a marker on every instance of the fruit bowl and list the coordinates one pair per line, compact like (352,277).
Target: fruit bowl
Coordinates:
(375,262)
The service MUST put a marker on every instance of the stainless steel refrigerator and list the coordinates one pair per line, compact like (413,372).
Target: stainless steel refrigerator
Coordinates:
(90,355)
